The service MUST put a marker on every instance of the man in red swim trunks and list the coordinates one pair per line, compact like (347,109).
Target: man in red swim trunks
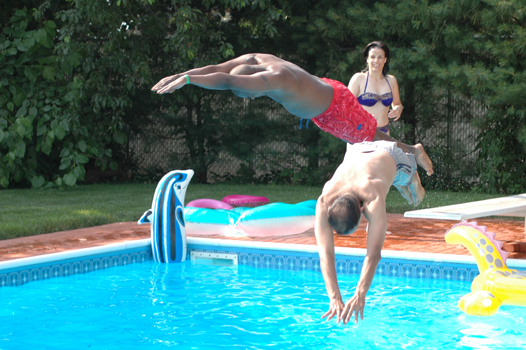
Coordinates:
(328,103)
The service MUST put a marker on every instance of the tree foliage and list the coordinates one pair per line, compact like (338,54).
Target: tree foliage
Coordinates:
(75,82)
(40,130)
(474,49)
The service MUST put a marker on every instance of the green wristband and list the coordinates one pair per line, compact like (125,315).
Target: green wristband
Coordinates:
(187,79)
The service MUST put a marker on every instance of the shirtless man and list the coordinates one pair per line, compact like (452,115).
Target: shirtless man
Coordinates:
(360,185)
(328,103)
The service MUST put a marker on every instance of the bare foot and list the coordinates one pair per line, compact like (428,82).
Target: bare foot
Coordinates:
(405,192)
(417,191)
(423,159)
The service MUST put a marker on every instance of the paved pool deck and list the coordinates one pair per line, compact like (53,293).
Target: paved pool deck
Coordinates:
(404,234)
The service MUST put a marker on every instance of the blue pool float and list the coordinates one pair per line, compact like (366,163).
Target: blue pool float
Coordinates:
(167,218)
(277,219)
(271,220)
(206,221)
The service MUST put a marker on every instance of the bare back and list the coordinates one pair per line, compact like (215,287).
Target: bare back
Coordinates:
(301,93)
(368,175)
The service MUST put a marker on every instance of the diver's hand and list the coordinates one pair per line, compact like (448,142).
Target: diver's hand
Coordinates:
(335,309)
(170,84)
(356,304)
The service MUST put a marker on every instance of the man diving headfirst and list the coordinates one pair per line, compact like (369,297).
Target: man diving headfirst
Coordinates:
(360,186)
(328,103)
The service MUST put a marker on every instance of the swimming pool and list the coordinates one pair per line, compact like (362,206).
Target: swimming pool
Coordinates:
(202,306)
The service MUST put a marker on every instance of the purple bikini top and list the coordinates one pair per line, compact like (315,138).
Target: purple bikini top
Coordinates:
(369,99)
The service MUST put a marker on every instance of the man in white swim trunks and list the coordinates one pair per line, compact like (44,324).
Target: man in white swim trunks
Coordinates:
(360,185)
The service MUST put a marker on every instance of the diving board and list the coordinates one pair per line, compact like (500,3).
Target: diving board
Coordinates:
(503,206)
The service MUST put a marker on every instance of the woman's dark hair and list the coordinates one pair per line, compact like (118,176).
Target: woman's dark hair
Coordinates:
(344,214)
(380,45)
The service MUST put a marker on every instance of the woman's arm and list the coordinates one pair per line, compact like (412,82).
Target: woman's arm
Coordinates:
(397,106)
(354,84)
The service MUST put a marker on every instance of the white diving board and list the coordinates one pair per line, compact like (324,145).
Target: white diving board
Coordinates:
(503,206)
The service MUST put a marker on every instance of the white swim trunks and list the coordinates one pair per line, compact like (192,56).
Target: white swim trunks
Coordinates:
(405,162)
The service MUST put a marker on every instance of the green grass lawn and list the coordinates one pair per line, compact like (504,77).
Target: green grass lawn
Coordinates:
(31,212)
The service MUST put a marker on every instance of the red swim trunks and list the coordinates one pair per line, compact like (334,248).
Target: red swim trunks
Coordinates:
(345,118)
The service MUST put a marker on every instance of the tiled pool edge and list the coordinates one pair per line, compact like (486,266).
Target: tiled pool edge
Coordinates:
(284,256)
(18,272)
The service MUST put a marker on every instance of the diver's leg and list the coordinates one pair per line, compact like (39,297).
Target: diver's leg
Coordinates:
(416,189)
(405,192)
(418,150)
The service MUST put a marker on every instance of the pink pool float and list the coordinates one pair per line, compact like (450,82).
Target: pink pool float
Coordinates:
(209,203)
(241,200)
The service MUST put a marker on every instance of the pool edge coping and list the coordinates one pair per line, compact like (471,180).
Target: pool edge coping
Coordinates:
(226,243)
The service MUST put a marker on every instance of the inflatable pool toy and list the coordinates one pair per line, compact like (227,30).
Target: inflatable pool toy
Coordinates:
(245,200)
(167,219)
(209,203)
(271,220)
(311,203)
(276,219)
(497,284)
(206,222)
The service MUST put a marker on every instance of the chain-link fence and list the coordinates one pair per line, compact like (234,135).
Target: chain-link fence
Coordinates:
(450,139)
(453,139)
(257,139)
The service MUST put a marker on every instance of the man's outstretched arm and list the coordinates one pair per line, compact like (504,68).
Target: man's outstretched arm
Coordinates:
(325,241)
(165,84)
(255,84)
(376,228)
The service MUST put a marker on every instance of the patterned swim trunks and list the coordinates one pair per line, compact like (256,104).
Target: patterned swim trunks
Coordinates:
(345,118)
(405,162)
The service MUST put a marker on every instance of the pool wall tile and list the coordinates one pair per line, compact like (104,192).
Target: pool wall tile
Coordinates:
(13,279)
(46,272)
(393,270)
(408,270)
(293,259)
(279,262)
(420,271)
(268,261)
(291,263)
(304,264)
(18,277)
(434,272)
(448,273)
(35,274)
(382,269)
(296,261)
(461,274)
(341,266)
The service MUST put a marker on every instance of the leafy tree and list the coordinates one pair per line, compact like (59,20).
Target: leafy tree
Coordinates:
(473,50)
(75,82)
(38,126)
(94,72)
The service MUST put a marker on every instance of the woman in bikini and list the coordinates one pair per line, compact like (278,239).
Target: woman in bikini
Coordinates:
(376,91)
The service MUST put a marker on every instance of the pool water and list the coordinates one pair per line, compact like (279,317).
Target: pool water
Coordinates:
(202,306)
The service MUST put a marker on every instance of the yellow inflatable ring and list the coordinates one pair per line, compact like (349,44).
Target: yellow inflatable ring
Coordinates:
(497,284)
